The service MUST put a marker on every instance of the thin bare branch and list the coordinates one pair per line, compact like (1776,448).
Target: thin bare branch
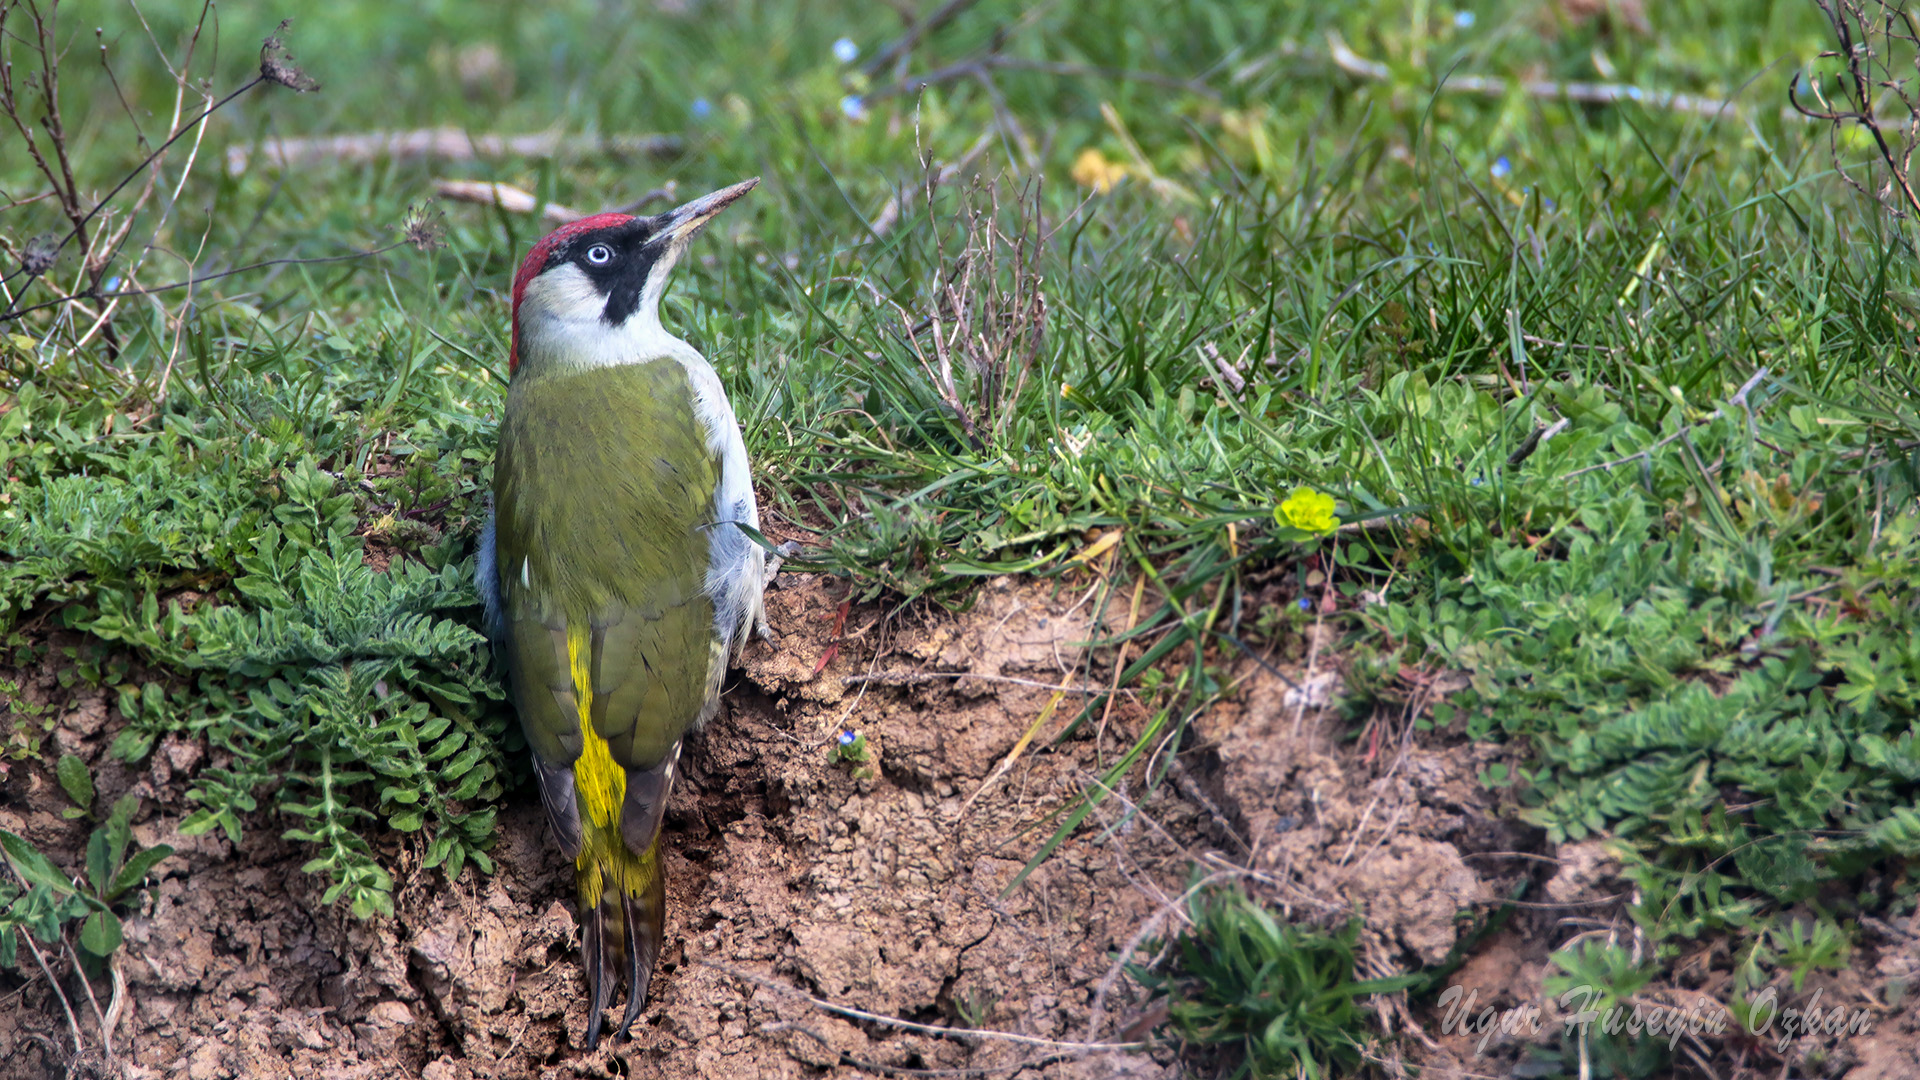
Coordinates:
(443,144)
(518,200)
(1876,46)
(1585,93)
(848,1011)
(916,30)
(514,200)
(201,279)
(80,226)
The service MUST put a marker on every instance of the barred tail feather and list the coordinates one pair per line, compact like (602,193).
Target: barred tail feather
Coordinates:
(646,924)
(623,928)
(593,949)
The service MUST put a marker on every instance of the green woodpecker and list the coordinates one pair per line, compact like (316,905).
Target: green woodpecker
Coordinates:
(615,582)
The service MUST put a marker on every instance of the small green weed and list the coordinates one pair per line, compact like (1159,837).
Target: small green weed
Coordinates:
(1597,981)
(850,748)
(1805,947)
(28,724)
(974,1005)
(41,900)
(1283,995)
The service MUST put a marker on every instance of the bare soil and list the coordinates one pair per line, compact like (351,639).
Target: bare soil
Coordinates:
(791,879)
(796,884)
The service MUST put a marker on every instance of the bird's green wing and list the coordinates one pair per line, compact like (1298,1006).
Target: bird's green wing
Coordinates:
(604,489)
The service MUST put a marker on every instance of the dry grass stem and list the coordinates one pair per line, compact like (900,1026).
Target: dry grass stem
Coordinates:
(848,1011)
(985,315)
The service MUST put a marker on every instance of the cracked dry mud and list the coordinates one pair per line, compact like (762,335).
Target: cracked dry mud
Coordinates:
(791,882)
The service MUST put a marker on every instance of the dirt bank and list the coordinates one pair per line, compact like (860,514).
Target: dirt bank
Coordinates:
(793,881)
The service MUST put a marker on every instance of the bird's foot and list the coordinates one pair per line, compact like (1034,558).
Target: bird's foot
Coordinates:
(780,554)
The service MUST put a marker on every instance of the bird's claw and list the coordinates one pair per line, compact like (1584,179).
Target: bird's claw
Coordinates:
(779,555)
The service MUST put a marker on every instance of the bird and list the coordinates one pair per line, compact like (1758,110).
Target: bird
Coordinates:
(620,570)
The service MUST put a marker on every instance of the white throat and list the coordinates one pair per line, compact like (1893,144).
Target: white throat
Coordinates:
(563,325)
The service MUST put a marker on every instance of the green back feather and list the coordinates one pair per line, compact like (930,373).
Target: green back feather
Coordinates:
(604,490)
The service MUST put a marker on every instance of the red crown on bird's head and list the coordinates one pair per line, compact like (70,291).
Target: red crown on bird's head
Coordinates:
(537,259)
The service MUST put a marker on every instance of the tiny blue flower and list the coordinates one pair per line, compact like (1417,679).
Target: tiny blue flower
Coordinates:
(1477,481)
(1463,20)
(1306,604)
(701,108)
(1501,167)
(846,51)
(846,738)
(112,284)
(853,107)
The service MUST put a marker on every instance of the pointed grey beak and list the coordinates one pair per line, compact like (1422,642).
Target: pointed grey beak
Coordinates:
(679,225)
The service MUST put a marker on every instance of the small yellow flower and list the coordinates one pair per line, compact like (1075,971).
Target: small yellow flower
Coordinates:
(1307,510)
(1092,169)
(1066,388)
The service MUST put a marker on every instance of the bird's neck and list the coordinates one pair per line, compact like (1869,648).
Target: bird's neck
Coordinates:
(553,343)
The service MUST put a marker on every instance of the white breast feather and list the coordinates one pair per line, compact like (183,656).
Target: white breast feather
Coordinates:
(561,325)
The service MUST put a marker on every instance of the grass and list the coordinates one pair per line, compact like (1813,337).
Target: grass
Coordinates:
(1687,607)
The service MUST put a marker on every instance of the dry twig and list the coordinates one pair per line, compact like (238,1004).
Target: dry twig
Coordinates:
(963,1034)
(905,678)
(31,103)
(514,200)
(884,1069)
(1877,47)
(275,67)
(978,342)
(1584,93)
(518,200)
(442,144)
(889,215)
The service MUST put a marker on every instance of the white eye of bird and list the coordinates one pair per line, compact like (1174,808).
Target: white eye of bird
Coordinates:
(599,254)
